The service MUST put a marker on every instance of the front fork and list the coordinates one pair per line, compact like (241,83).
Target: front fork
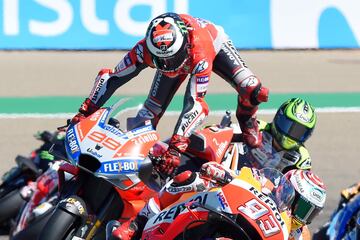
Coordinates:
(89,222)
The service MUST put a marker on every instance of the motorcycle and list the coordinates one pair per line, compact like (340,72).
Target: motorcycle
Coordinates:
(245,208)
(112,171)
(82,211)
(37,210)
(28,169)
(344,222)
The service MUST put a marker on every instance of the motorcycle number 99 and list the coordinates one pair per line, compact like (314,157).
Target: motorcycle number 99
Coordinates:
(107,142)
(264,218)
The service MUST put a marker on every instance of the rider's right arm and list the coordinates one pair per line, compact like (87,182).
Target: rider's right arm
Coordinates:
(130,66)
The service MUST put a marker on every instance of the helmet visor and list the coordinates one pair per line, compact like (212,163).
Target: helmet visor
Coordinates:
(284,141)
(292,128)
(173,63)
(303,210)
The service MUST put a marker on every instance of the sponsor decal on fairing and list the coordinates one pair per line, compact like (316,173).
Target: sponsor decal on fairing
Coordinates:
(114,131)
(94,153)
(224,204)
(72,143)
(145,138)
(123,166)
(255,209)
(76,203)
(170,214)
(140,130)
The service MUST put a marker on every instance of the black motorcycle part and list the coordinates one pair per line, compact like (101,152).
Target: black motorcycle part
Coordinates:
(74,205)
(149,176)
(34,227)
(60,224)
(189,162)
(10,205)
(27,163)
(58,150)
(217,225)
(101,201)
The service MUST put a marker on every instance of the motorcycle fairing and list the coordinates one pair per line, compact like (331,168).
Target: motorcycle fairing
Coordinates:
(213,142)
(259,209)
(241,196)
(179,212)
(120,154)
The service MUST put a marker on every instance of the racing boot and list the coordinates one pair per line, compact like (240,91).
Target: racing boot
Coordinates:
(251,94)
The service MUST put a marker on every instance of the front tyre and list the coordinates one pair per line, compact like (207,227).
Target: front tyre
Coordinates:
(60,225)
(10,205)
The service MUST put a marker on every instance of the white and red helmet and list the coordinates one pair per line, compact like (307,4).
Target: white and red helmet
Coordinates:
(310,196)
(167,39)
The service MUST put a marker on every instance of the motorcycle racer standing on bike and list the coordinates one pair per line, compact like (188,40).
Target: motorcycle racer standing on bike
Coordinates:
(309,199)
(178,45)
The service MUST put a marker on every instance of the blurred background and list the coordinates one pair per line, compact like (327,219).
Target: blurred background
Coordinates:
(51,51)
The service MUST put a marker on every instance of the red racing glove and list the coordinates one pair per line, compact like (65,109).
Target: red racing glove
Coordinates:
(171,158)
(86,109)
(215,173)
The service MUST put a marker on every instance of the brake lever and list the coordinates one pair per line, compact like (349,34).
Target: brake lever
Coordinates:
(156,161)
(64,128)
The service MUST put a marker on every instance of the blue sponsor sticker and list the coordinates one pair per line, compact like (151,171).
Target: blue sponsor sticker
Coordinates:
(115,131)
(122,166)
(72,143)
(141,130)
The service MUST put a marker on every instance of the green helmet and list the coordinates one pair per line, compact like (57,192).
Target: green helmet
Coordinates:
(293,123)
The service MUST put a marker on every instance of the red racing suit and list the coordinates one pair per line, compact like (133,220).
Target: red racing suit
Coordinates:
(210,50)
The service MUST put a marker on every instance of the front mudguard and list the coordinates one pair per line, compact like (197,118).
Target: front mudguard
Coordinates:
(74,205)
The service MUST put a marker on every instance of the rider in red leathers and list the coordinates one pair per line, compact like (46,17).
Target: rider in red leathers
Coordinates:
(178,45)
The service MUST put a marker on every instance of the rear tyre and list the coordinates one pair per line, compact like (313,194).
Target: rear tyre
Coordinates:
(10,205)
(59,226)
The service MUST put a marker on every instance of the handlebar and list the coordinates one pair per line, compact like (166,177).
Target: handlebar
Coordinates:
(64,128)
(156,161)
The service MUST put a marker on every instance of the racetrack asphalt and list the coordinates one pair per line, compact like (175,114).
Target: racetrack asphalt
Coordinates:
(333,146)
